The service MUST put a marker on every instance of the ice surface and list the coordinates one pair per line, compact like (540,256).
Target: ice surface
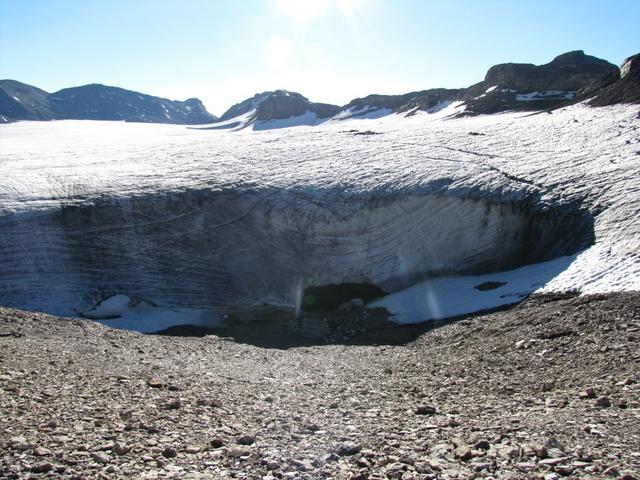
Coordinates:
(193,219)
(112,307)
(446,297)
(119,311)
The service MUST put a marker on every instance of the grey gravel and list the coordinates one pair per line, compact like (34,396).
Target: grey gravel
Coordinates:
(80,400)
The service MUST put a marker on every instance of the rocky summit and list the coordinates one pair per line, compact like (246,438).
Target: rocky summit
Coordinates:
(622,88)
(524,86)
(278,105)
(546,390)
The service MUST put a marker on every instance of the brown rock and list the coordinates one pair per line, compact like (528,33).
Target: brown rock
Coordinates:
(246,440)
(463,452)
(120,448)
(169,452)
(43,468)
(425,410)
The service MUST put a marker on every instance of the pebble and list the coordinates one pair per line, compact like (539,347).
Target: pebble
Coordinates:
(174,404)
(237,452)
(463,452)
(347,449)
(100,457)
(41,451)
(555,453)
(120,448)
(43,467)
(426,410)
(169,452)
(550,462)
(628,476)
(603,402)
(587,393)
(482,445)
(217,442)
(495,431)
(547,386)
(245,440)
(564,470)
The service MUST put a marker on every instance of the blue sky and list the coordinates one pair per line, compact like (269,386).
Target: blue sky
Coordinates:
(328,50)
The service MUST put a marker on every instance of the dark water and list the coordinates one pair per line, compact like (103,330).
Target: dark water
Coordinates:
(271,327)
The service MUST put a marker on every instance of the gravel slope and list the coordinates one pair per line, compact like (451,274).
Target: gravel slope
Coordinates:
(547,389)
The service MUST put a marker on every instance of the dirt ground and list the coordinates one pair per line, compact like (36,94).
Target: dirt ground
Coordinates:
(547,389)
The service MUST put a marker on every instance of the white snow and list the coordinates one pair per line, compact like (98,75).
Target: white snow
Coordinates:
(445,297)
(440,111)
(111,307)
(304,180)
(236,123)
(118,311)
(555,94)
(362,113)
(625,68)
(308,118)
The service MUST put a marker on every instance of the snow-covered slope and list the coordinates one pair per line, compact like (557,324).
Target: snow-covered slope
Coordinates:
(277,109)
(187,218)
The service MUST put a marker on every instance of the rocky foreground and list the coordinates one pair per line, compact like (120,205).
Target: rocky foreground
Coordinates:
(548,389)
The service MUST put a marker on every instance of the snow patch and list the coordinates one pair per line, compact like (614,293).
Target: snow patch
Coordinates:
(546,95)
(119,311)
(444,297)
(366,112)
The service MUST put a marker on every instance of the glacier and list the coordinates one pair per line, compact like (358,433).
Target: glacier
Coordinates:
(189,224)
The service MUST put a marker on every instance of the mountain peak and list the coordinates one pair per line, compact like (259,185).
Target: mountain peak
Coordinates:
(278,105)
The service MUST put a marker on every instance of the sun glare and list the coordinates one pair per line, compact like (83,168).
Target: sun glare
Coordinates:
(303,12)
(277,51)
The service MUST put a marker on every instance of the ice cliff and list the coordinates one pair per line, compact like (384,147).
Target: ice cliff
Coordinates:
(207,219)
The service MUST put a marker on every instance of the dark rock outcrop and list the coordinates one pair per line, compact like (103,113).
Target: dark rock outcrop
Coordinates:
(279,105)
(19,101)
(244,107)
(408,102)
(524,86)
(100,102)
(282,104)
(567,72)
(625,88)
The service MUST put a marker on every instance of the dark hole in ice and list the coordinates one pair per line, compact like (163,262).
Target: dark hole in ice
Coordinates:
(489,286)
(330,297)
(230,250)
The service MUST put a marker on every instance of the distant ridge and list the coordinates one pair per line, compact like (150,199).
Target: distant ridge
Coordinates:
(19,101)
(569,78)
